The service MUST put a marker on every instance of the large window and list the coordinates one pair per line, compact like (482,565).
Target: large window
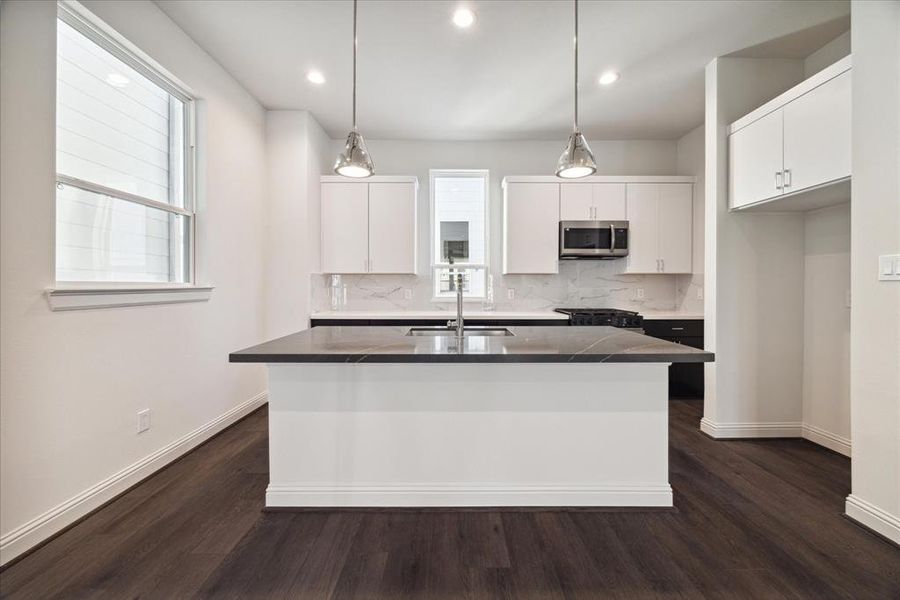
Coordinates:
(124,159)
(459,209)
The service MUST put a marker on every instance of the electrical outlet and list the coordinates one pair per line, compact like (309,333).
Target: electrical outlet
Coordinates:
(511,294)
(143,420)
(639,293)
(407,294)
(699,293)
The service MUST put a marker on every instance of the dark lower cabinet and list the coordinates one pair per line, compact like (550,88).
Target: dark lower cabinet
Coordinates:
(685,380)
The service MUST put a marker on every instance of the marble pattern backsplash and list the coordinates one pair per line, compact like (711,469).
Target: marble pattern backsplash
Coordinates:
(596,284)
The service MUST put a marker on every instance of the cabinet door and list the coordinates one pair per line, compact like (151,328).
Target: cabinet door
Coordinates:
(345,227)
(609,201)
(675,227)
(392,228)
(531,228)
(817,135)
(755,161)
(576,202)
(642,210)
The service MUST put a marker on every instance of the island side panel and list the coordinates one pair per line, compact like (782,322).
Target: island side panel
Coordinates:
(403,435)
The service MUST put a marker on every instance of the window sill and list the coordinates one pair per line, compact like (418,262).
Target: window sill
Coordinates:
(85,298)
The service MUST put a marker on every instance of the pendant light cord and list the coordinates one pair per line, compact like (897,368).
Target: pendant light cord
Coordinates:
(355,44)
(575,123)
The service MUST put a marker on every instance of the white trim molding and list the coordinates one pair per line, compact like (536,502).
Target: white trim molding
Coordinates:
(42,527)
(467,494)
(830,440)
(83,298)
(874,518)
(789,429)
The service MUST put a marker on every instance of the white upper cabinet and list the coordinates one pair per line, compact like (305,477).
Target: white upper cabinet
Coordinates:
(576,201)
(345,227)
(531,228)
(817,135)
(660,223)
(676,222)
(592,201)
(755,161)
(798,142)
(392,228)
(369,226)
(643,228)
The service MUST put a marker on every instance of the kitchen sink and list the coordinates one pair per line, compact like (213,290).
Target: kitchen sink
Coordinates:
(467,332)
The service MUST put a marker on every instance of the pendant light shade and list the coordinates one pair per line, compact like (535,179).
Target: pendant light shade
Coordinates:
(354,161)
(577,160)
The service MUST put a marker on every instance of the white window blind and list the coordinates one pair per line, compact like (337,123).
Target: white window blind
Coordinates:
(124,209)
(460,234)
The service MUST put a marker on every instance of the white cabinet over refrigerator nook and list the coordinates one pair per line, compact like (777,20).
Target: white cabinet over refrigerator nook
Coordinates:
(793,153)
(369,226)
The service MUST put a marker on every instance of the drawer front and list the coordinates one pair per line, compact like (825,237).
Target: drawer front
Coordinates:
(437,322)
(676,328)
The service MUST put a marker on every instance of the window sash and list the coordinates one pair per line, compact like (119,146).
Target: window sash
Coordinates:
(82,21)
(436,264)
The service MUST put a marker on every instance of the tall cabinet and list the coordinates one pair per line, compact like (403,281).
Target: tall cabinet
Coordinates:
(369,226)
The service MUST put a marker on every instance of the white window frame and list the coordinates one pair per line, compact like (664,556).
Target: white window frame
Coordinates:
(69,295)
(445,173)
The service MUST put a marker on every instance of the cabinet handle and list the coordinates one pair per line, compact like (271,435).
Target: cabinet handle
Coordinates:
(657,265)
(787,178)
(779,185)
(663,261)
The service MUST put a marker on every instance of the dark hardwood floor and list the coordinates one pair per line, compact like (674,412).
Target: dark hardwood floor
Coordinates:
(752,519)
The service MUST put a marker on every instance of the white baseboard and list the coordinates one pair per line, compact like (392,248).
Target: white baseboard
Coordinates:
(751,430)
(825,438)
(873,517)
(467,495)
(776,430)
(32,533)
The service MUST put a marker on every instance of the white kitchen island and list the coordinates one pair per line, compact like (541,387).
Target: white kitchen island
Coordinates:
(550,416)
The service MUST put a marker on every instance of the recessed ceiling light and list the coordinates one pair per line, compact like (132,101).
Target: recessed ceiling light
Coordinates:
(608,77)
(315,77)
(117,80)
(463,17)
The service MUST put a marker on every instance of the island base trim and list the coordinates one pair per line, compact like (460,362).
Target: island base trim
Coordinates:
(467,495)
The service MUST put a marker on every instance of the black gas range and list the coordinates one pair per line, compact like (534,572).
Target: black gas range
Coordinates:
(612,317)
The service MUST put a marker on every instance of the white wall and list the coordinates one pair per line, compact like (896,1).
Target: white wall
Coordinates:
(71,383)
(691,160)
(298,153)
(753,274)
(827,55)
(875,230)
(826,327)
(597,283)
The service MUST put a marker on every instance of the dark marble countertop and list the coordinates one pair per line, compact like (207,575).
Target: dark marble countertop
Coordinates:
(528,344)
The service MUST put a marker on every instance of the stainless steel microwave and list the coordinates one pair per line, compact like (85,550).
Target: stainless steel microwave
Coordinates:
(593,239)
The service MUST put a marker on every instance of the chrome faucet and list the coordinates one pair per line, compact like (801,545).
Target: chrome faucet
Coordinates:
(458,323)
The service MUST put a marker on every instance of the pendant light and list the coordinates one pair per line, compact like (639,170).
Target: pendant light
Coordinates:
(577,160)
(354,161)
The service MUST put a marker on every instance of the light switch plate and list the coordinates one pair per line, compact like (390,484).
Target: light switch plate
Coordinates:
(889,267)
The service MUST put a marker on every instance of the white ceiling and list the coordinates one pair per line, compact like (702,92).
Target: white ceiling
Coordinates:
(507,77)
